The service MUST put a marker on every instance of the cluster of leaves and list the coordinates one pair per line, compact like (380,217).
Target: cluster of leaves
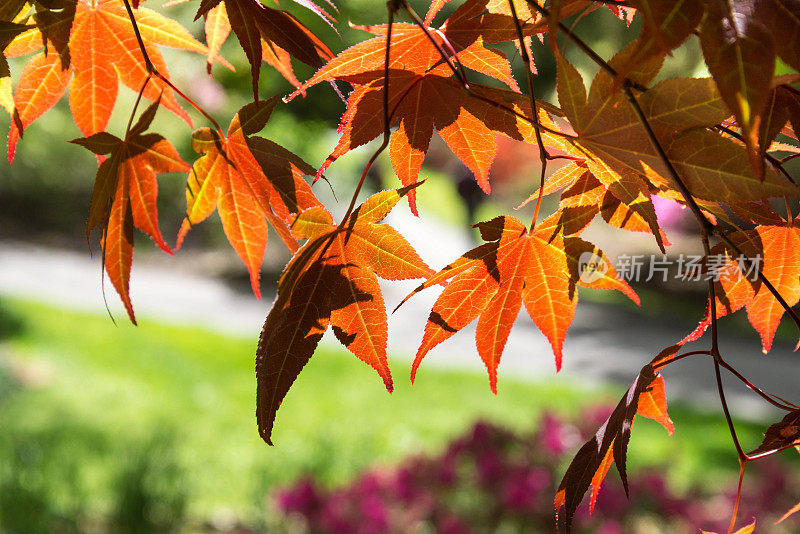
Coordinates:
(491,479)
(715,145)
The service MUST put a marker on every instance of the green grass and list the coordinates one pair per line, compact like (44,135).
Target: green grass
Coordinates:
(102,399)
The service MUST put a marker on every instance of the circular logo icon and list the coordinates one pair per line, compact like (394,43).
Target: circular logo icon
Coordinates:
(591,267)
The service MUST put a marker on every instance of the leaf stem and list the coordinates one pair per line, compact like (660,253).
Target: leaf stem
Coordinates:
(742,464)
(726,411)
(152,70)
(136,104)
(775,400)
(544,155)
(778,164)
(712,295)
(588,50)
(674,359)
(386,124)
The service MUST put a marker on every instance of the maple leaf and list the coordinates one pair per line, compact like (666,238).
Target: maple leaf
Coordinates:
(423,96)
(332,280)
(781,435)
(747,529)
(125,192)
(771,248)
(102,50)
(494,280)
(253,22)
(739,50)
(250,181)
(422,103)
(616,149)
(645,397)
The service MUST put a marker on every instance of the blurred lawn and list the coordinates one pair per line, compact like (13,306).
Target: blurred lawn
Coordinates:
(97,415)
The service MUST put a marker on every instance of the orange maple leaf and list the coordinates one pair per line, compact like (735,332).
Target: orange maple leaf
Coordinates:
(102,50)
(281,33)
(494,280)
(249,180)
(609,445)
(424,103)
(616,149)
(125,193)
(332,280)
(772,248)
(747,529)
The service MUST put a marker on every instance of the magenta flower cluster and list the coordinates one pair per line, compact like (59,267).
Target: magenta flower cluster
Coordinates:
(495,480)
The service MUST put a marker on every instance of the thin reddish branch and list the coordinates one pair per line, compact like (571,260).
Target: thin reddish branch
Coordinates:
(152,70)
(738,497)
(585,48)
(544,155)
(386,117)
(778,164)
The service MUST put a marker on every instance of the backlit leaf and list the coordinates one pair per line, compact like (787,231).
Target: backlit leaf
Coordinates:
(332,280)
(250,181)
(125,194)
(492,282)
(103,51)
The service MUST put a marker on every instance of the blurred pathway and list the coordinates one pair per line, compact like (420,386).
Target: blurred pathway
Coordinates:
(604,344)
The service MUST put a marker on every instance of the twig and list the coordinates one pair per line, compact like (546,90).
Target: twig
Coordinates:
(732,524)
(727,412)
(588,50)
(778,164)
(136,104)
(775,400)
(459,73)
(386,124)
(544,155)
(674,359)
(152,70)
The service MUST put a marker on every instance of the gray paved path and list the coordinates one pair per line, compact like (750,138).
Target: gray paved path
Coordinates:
(604,343)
